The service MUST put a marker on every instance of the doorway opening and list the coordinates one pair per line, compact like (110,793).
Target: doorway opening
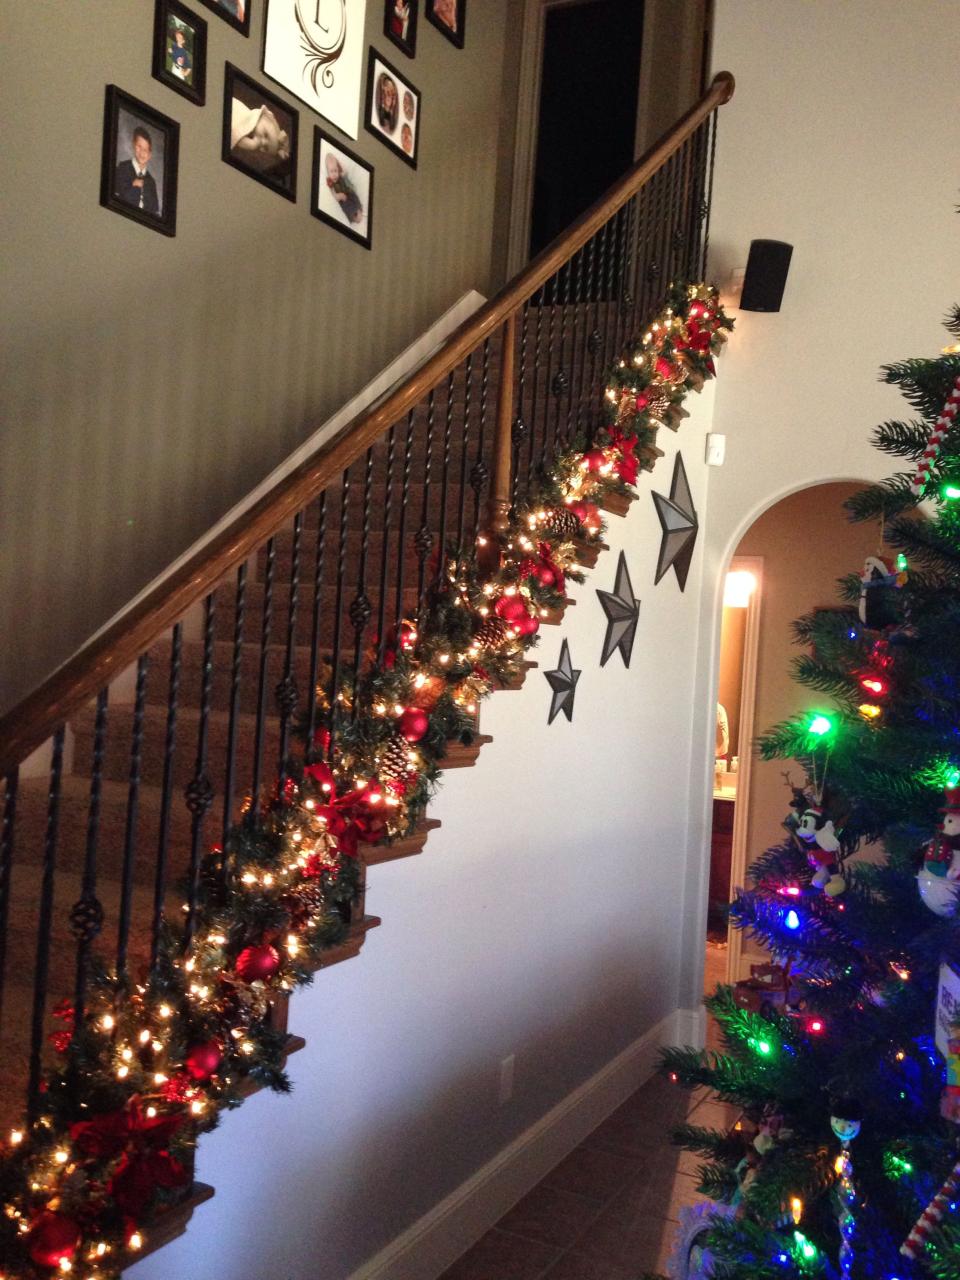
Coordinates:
(587,120)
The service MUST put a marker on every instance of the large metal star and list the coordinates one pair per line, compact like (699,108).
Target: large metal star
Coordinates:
(623,613)
(678,520)
(563,682)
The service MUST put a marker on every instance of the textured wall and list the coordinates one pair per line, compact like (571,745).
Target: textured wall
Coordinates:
(148,383)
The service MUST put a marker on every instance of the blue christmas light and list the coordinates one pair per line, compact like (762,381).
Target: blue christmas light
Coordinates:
(791,919)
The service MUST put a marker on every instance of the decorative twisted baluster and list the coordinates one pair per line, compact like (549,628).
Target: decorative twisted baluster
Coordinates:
(133,806)
(286,693)
(536,434)
(464,454)
(235,669)
(199,790)
(445,481)
(166,793)
(552,388)
(7,830)
(334,693)
(385,551)
(266,622)
(404,507)
(360,607)
(423,538)
(480,472)
(86,914)
(521,430)
(41,968)
(594,338)
(705,258)
(561,379)
(315,622)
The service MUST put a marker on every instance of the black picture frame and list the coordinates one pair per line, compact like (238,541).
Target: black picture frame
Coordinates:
(194,89)
(125,116)
(375,118)
(229,11)
(281,177)
(391,18)
(324,144)
(455,35)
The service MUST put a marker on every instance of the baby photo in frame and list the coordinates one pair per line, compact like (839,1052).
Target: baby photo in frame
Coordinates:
(342,194)
(138,176)
(392,111)
(449,17)
(259,133)
(400,24)
(180,50)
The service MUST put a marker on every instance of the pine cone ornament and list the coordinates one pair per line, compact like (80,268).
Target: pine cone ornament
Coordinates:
(657,402)
(493,633)
(561,523)
(394,764)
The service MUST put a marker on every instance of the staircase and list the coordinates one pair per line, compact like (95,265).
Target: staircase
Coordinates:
(153,742)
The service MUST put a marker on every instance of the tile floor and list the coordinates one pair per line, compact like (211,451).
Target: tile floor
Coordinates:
(609,1210)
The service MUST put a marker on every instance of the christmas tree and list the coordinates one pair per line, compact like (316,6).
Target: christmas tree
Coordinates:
(844,1053)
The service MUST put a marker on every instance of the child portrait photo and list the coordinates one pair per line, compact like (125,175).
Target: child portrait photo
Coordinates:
(449,17)
(139,168)
(342,188)
(180,50)
(400,24)
(393,108)
(259,133)
(236,12)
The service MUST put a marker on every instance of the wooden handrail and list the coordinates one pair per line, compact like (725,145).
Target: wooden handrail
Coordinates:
(32,721)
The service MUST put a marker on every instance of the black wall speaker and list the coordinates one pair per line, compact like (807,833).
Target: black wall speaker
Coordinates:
(766,275)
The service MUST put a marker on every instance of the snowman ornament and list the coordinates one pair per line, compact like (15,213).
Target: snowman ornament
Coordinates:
(939,878)
(823,850)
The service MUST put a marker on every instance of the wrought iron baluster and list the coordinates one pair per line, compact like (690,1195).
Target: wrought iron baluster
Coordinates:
(464,453)
(577,357)
(166,793)
(686,211)
(133,807)
(610,292)
(315,622)
(480,472)
(520,428)
(445,482)
(638,316)
(41,968)
(261,721)
(86,915)
(199,790)
(423,539)
(360,606)
(7,830)
(702,140)
(286,692)
(336,660)
(561,379)
(533,424)
(705,260)
(404,507)
(620,239)
(235,670)
(677,238)
(549,392)
(655,268)
(593,342)
(385,551)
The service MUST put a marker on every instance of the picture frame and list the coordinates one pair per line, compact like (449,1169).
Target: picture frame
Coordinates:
(180,50)
(392,114)
(449,17)
(259,133)
(342,191)
(138,174)
(400,24)
(314,50)
(236,12)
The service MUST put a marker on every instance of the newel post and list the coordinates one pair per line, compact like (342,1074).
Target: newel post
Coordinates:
(498,503)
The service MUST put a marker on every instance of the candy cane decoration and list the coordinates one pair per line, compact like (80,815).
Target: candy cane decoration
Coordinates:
(935,439)
(932,1215)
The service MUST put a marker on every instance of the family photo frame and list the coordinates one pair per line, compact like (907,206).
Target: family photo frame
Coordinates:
(259,133)
(449,17)
(342,194)
(400,24)
(180,50)
(236,12)
(392,111)
(138,176)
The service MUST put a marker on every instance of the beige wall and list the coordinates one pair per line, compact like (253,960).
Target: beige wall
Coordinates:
(730,689)
(807,543)
(148,383)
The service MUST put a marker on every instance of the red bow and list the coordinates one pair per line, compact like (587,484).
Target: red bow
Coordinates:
(627,465)
(140,1141)
(697,339)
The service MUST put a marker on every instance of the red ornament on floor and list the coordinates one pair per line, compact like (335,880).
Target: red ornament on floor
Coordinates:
(256,964)
(54,1238)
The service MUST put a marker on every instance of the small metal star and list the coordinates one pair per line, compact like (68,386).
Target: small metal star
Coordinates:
(678,520)
(563,682)
(623,613)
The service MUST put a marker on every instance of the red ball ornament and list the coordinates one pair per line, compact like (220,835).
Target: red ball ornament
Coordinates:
(413,724)
(510,608)
(204,1059)
(594,459)
(256,964)
(53,1238)
(527,626)
(546,576)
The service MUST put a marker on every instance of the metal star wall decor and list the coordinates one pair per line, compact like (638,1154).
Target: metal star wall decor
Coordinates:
(623,613)
(563,682)
(678,520)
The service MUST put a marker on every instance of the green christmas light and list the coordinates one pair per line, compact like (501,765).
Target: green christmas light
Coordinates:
(952,778)
(763,1047)
(895,1166)
(820,725)
(950,492)
(901,563)
(806,1248)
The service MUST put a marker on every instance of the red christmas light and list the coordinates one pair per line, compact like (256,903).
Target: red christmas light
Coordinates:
(873,684)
